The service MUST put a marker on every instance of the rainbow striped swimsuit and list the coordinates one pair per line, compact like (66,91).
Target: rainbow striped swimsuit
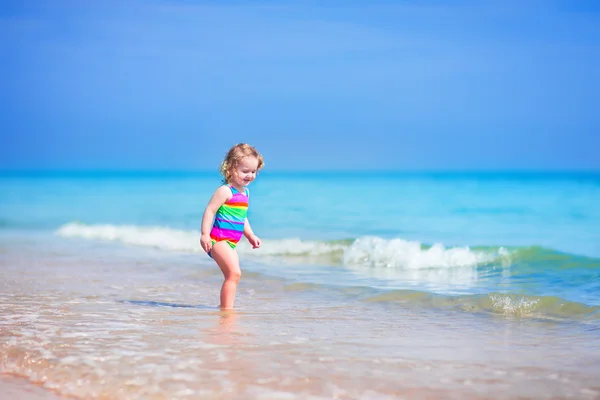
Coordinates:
(230,219)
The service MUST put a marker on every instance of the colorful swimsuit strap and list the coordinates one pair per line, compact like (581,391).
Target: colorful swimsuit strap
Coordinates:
(246,191)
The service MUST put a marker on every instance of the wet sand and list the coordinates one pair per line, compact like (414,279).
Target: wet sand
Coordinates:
(13,388)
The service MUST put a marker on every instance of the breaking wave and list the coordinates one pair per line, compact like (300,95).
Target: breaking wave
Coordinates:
(364,251)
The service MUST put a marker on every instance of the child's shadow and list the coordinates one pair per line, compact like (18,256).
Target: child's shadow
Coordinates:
(150,303)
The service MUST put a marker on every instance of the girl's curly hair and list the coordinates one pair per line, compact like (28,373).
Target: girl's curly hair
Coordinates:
(234,157)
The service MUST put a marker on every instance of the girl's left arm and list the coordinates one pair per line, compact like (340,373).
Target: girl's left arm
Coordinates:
(249,233)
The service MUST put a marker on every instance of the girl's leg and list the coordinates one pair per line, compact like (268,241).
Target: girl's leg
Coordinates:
(227,259)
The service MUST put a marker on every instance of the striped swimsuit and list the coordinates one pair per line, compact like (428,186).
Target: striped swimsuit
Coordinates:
(230,219)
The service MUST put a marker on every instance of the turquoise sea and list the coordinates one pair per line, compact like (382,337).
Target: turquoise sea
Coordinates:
(368,285)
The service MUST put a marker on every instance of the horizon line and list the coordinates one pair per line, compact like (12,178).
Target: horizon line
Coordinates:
(189,171)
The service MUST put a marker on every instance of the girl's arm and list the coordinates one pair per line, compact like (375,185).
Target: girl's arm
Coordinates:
(219,197)
(249,233)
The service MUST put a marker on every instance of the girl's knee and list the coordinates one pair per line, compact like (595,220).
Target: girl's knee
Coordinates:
(234,276)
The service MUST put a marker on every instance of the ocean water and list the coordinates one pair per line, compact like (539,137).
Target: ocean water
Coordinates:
(368,285)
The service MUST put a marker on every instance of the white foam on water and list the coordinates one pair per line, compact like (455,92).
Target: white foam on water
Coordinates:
(364,251)
(294,247)
(399,253)
(163,238)
(513,306)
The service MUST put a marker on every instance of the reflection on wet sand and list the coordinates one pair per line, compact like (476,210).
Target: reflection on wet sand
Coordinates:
(226,330)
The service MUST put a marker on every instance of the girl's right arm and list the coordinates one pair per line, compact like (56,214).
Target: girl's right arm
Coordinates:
(221,195)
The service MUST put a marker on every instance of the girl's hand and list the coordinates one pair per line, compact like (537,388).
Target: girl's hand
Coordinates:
(206,242)
(254,241)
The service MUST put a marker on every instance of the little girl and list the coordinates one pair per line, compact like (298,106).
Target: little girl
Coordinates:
(225,220)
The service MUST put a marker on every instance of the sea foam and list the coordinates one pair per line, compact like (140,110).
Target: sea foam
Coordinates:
(147,236)
(364,251)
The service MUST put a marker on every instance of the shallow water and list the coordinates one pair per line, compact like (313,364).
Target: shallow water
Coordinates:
(104,321)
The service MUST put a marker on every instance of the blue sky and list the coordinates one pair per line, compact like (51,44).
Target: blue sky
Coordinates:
(407,85)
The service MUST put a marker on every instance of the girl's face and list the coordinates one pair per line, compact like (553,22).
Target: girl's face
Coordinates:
(245,172)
